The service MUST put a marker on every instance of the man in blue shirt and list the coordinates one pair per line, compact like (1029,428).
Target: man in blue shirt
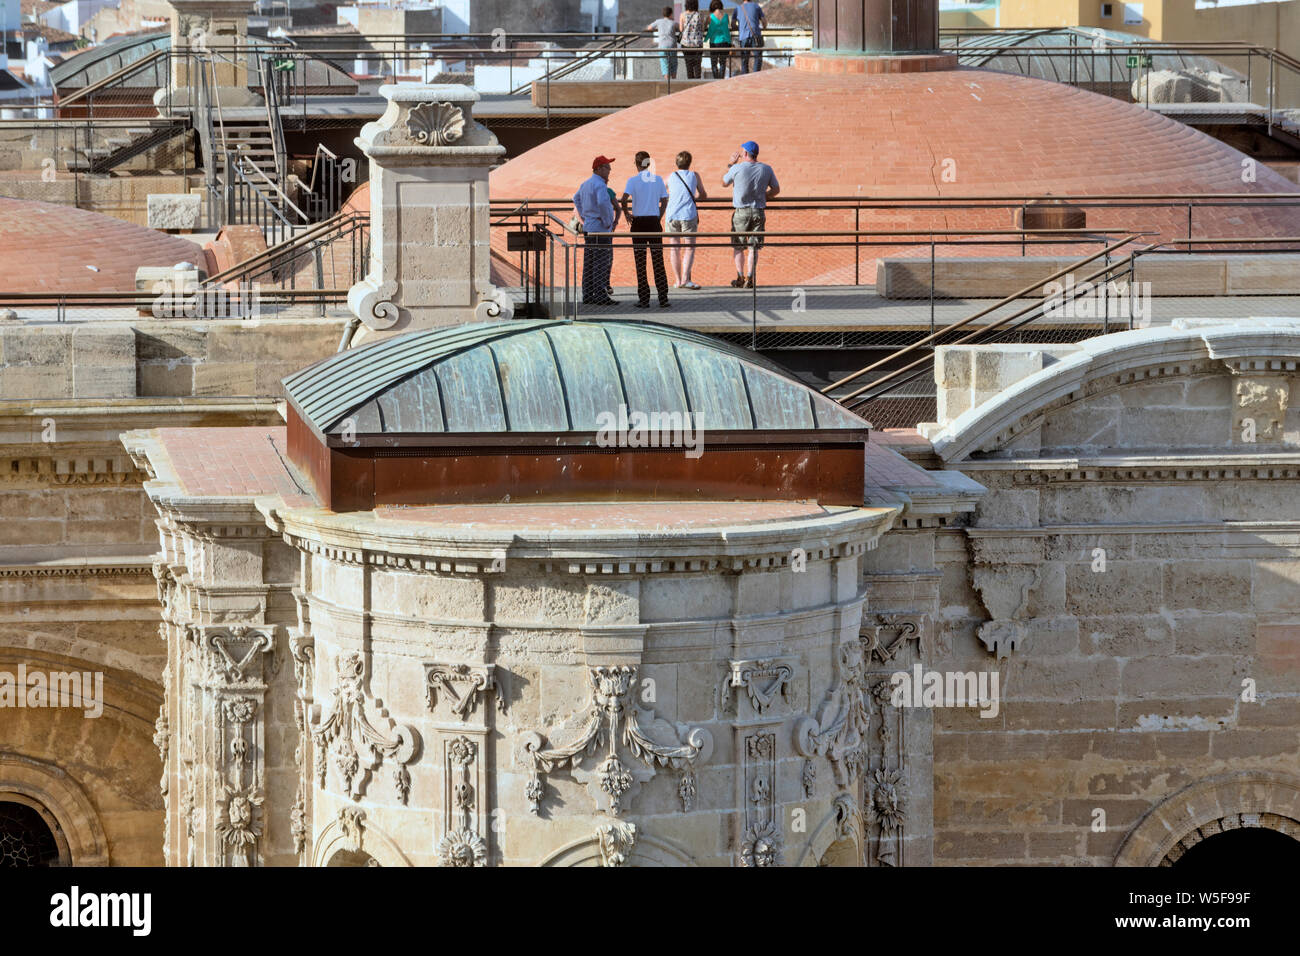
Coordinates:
(596,212)
(753,183)
(749,24)
(649,198)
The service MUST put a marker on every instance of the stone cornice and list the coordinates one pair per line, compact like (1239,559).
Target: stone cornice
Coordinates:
(227,516)
(1155,468)
(67,469)
(1241,539)
(115,415)
(362,539)
(81,568)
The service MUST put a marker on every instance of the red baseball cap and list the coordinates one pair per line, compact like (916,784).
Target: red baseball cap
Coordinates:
(601,161)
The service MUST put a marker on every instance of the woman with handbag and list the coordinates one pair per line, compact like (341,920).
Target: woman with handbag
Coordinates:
(719,36)
(684,189)
(691,25)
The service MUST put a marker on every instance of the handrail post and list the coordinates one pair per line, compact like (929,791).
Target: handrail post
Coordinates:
(1132,286)
(932,285)
(753,285)
(1105,296)
(230,191)
(857,256)
(1272,60)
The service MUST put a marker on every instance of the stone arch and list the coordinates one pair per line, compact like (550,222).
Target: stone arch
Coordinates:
(351,840)
(1250,798)
(1111,362)
(648,851)
(61,802)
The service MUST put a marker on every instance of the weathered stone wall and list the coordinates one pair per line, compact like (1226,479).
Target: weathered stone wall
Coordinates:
(77,595)
(1133,575)
(150,358)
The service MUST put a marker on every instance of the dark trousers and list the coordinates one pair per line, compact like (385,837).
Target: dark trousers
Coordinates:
(692,57)
(718,54)
(753,46)
(597,261)
(655,246)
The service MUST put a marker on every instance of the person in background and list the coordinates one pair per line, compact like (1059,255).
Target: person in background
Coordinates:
(691,28)
(684,189)
(719,35)
(750,22)
(649,198)
(754,184)
(595,210)
(665,31)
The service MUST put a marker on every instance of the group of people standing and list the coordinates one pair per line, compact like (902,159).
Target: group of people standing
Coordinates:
(742,30)
(645,202)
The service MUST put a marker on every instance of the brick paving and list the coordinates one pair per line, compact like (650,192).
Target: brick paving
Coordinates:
(233,462)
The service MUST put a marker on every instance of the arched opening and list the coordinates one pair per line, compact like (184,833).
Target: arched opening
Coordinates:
(27,836)
(1239,851)
(842,852)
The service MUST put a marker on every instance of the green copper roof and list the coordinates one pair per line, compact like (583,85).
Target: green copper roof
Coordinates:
(553,376)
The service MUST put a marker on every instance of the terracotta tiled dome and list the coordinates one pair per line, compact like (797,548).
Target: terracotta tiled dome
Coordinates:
(851,134)
(359,201)
(45,247)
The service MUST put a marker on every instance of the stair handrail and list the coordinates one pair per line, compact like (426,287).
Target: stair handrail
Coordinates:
(271,96)
(330,203)
(1106,250)
(113,78)
(244,168)
(325,231)
(610,46)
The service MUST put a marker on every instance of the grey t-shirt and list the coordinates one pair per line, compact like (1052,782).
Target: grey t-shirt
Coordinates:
(750,182)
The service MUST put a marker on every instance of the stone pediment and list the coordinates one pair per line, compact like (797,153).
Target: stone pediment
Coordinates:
(1109,384)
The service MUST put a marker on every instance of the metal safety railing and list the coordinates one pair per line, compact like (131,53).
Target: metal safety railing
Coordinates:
(890,380)
(880,390)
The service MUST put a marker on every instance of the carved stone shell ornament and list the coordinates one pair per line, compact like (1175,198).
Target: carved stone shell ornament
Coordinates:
(436,124)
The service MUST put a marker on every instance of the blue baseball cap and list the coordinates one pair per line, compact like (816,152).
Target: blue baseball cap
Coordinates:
(750,147)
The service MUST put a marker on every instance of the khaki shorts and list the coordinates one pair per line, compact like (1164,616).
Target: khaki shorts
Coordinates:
(683,225)
(748,220)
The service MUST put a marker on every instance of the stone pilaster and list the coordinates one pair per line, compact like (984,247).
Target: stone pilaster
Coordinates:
(229,689)
(430,252)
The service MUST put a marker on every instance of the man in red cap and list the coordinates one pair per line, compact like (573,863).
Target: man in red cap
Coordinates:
(592,204)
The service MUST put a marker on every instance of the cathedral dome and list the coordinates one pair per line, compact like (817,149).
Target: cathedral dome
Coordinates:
(551,377)
(949,133)
(52,248)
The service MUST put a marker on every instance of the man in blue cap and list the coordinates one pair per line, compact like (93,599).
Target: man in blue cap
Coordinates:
(753,183)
